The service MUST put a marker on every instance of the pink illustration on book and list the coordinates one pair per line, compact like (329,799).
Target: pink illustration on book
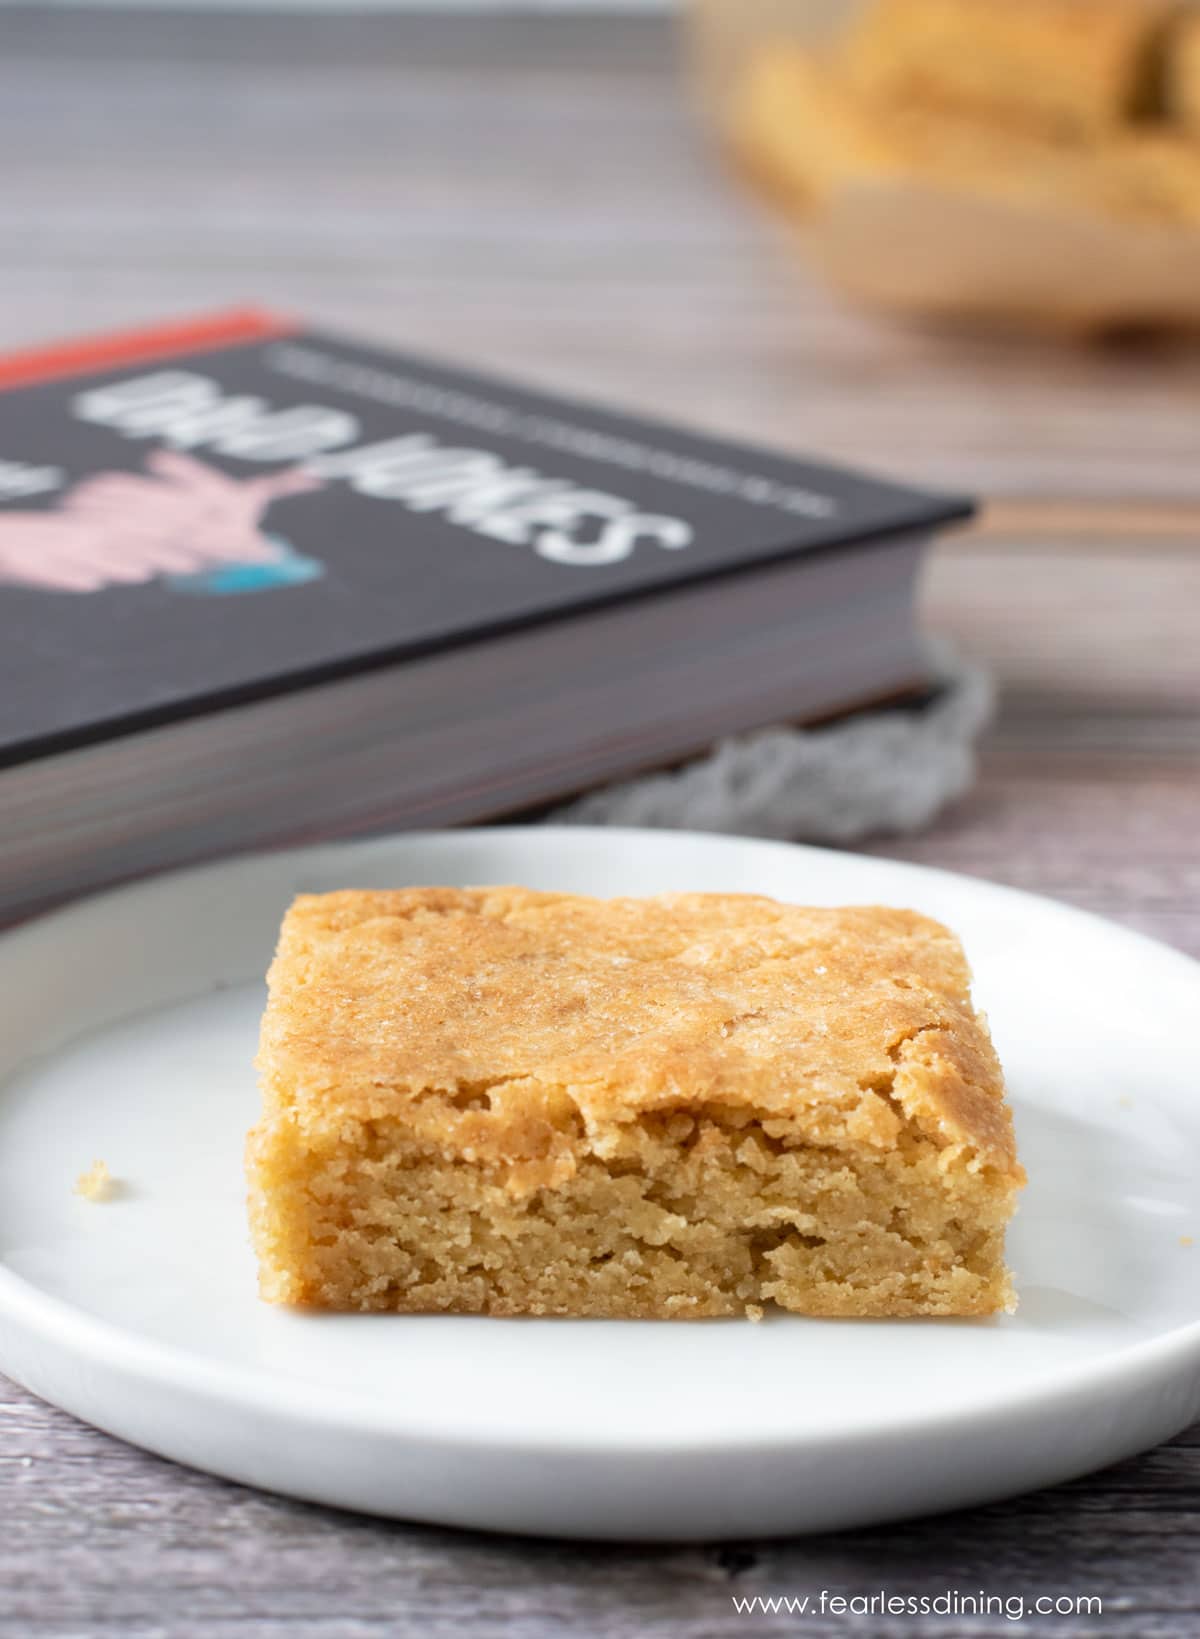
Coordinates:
(181,520)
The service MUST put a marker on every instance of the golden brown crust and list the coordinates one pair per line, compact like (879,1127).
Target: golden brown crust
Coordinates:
(840,1025)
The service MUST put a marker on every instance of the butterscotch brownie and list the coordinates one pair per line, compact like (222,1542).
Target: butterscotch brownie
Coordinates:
(495,1100)
(1067,66)
(1183,73)
(804,130)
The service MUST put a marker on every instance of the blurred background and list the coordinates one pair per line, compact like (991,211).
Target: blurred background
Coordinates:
(952,240)
(762,222)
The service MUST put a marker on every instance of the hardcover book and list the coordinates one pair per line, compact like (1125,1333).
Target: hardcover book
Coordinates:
(259,583)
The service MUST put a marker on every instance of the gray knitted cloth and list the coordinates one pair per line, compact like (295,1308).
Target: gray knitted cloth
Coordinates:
(880,771)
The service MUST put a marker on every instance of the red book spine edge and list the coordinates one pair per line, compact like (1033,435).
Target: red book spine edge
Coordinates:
(227,329)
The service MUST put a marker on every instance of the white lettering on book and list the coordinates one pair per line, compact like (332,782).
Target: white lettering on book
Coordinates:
(18,479)
(473,489)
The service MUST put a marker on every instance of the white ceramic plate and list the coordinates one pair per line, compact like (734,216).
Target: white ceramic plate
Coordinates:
(131,1023)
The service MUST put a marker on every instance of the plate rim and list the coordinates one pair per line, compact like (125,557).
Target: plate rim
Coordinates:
(54,1322)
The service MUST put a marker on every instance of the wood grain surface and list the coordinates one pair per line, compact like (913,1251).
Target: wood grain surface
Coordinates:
(537,197)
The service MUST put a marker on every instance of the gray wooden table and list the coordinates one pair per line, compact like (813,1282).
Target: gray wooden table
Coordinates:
(535,197)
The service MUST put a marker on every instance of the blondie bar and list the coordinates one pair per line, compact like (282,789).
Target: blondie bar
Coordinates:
(1064,66)
(501,1101)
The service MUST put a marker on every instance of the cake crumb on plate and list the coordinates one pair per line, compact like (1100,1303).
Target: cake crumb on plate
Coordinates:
(96,1183)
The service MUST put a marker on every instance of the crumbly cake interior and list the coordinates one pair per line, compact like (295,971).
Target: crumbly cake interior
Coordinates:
(514,1103)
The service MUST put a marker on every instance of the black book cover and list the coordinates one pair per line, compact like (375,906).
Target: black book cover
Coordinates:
(216,511)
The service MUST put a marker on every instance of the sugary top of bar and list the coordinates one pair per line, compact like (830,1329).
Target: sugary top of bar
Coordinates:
(472,1011)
